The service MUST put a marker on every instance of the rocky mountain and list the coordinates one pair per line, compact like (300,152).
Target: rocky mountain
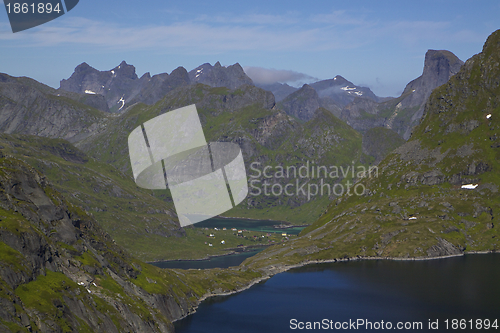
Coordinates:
(436,195)
(117,85)
(122,87)
(29,107)
(342,91)
(403,113)
(332,95)
(220,76)
(302,103)
(61,272)
(156,87)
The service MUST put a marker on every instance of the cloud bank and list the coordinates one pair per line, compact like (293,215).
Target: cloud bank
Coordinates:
(260,75)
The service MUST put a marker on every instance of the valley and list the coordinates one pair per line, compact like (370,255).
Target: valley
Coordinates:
(76,231)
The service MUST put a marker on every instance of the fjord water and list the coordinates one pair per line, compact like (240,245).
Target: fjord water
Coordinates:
(393,291)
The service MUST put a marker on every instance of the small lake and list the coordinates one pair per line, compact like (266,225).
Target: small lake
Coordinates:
(213,262)
(372,290)
(253,225)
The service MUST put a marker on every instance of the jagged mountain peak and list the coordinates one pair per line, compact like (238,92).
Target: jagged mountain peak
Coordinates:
(83,67)
(125,70)
(452,58)
(220,76)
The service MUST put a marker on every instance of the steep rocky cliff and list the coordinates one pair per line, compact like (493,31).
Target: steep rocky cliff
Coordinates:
(121,87)
(403,113)
(118,85)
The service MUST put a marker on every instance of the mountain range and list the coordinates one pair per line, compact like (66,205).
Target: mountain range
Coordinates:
(357,106)
(70,213)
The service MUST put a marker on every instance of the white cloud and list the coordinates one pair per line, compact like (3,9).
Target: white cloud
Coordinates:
(261,75)
(209,35)
(189,37)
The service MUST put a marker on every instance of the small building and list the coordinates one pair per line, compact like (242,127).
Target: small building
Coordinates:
(283,234)
(223,242)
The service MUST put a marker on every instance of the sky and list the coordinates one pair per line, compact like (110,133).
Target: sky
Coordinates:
(378,44)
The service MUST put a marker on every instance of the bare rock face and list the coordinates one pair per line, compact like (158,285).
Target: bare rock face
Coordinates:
(439,67)
(155,88)
(122,87)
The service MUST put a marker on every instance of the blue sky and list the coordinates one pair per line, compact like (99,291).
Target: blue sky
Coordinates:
(379,44)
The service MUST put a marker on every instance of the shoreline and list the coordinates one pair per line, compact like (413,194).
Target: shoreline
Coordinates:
(208,257)
(284,269)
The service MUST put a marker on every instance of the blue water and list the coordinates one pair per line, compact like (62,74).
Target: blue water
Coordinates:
(396,291)
(254,225)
